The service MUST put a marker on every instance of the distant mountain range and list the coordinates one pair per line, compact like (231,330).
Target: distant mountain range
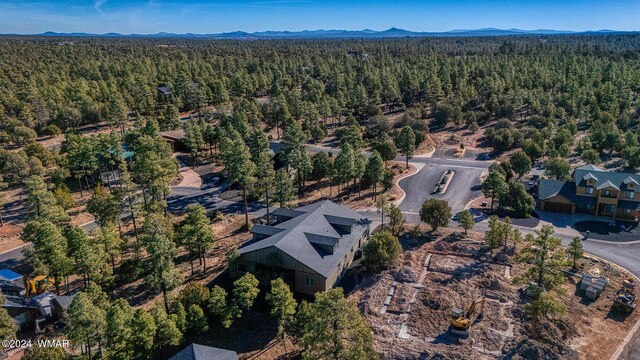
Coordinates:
(337,34)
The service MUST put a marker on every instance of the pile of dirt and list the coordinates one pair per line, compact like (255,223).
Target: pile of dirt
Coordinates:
(406,274)
(529,349)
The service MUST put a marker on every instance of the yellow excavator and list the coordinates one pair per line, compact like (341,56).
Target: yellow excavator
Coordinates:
(461,320)
(37,285)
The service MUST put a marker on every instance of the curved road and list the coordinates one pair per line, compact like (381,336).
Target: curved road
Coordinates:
(417,187)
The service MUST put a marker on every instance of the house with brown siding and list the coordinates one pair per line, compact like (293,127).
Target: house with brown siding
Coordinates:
(309,247)
(594,191)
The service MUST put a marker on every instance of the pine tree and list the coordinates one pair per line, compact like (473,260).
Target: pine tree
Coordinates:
(546,254)
(575,250)
(333,327)
(266,177)
(283,305)
(396,219)
(436,213)
(81,157)
(50,248)
(219,307)
(144,334)
(237,161)
(167,332)
(87,322)
(283,188)
(466,221)
(296,154)
(322,166)
(382,251)
(374,171)
(406,143)
(127,195)
(245,291)
(493,237)
(157,238)
(196,319)
(521,163)
(196,234)
(103,206)
(545,306)
(194,140)
(345,164)
(494,186)
(7,327)
(41,202)
(118,330)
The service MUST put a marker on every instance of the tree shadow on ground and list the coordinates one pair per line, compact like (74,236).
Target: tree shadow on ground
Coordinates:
(616,315)
(409,242)
(447,338)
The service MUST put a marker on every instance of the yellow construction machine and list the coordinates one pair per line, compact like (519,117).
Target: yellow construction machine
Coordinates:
(461,320)
(37,285)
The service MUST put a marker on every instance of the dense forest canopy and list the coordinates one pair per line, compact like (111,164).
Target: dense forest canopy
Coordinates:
(45,80)
(541,89)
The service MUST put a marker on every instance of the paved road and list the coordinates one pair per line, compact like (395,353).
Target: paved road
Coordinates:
(627,256)
(464,186)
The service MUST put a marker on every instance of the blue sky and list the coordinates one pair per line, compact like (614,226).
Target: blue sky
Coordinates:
(199,16)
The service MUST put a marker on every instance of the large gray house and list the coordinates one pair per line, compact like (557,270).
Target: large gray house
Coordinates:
(309,247)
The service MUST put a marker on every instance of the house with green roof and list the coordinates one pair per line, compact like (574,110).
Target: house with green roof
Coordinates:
(594,191)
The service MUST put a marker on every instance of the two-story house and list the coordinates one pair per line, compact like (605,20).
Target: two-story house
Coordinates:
(310,247)
(595,191)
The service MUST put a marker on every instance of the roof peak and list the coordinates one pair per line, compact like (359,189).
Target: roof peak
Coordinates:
(592,167)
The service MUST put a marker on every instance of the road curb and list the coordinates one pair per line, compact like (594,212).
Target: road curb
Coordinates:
(15,248)
(398,201)
(634,330)
(426,155)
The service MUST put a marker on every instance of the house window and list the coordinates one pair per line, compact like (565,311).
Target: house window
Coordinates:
(607,193)
(309,281)
(627,211)
(630,194)
(610,208)
(589,190)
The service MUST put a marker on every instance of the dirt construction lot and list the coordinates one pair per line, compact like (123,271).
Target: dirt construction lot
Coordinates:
(408,307)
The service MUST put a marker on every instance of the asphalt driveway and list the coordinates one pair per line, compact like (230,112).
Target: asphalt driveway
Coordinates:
(464,186)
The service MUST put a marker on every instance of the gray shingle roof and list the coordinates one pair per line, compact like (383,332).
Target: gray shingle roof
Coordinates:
(314,225)
(201,352)
(265,230)
(551,188)
(630,180)
(164,90)
(618,179)
(64,301)
(607,184)
(285,212)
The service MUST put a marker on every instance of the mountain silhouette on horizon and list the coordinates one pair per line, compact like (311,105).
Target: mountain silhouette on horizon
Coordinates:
(328,34)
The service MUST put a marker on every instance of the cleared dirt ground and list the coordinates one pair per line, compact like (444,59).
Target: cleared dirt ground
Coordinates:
(450,272)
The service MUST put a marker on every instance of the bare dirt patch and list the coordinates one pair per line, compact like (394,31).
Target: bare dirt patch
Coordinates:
(10,237)
(460,270)
(353,196)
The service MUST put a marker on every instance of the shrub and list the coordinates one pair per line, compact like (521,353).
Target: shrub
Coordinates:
(193,293)
(381,251)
